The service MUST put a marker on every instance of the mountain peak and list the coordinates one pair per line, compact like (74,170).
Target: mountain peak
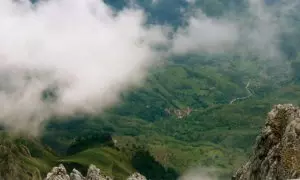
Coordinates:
(276,154)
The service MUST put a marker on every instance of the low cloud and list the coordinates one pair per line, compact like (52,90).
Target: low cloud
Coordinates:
(81,52)
(200,173)
(260,29)
(257,30)
(254,34)
(204,34)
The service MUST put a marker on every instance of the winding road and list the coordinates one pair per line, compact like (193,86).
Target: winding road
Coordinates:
(245,97)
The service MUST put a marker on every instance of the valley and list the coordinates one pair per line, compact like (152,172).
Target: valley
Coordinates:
(215,134)
(200,108)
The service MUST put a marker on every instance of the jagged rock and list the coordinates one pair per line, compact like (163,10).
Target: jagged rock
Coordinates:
(76,175)
(58,173)
(136,176)
(93,173)
(276,154)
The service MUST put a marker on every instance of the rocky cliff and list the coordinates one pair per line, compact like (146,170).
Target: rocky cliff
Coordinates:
(93,173)
(276,154)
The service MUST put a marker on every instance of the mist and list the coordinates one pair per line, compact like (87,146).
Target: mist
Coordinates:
(205,34)
(257,30)
(81,52)
(253,35)
(200,173)
(62,57)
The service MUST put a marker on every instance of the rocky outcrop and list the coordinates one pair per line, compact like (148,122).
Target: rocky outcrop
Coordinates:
(58,173)
(136,176)
(76,175)
(93,173)
(276,154)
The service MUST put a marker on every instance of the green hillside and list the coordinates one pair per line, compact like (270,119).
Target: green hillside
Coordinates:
(111,162)
(215,134)
(26,158)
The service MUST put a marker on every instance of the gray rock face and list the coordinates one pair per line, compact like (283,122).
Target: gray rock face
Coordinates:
(93,173)
(277,151)
(136,176)
(76,175)
(58,173)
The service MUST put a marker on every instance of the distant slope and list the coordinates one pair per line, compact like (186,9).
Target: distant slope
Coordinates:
(178,86)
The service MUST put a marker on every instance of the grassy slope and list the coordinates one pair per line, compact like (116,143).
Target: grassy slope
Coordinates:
(110,161)
(28,159)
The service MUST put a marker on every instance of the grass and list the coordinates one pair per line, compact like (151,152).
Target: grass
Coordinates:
(111,162)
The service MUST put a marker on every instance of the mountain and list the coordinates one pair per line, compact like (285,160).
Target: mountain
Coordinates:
(276,153)
(199,109)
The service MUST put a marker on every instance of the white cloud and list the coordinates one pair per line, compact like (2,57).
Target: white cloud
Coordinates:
(81,47)
(191,1)
(261,30)
(257,30)
(205,34)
